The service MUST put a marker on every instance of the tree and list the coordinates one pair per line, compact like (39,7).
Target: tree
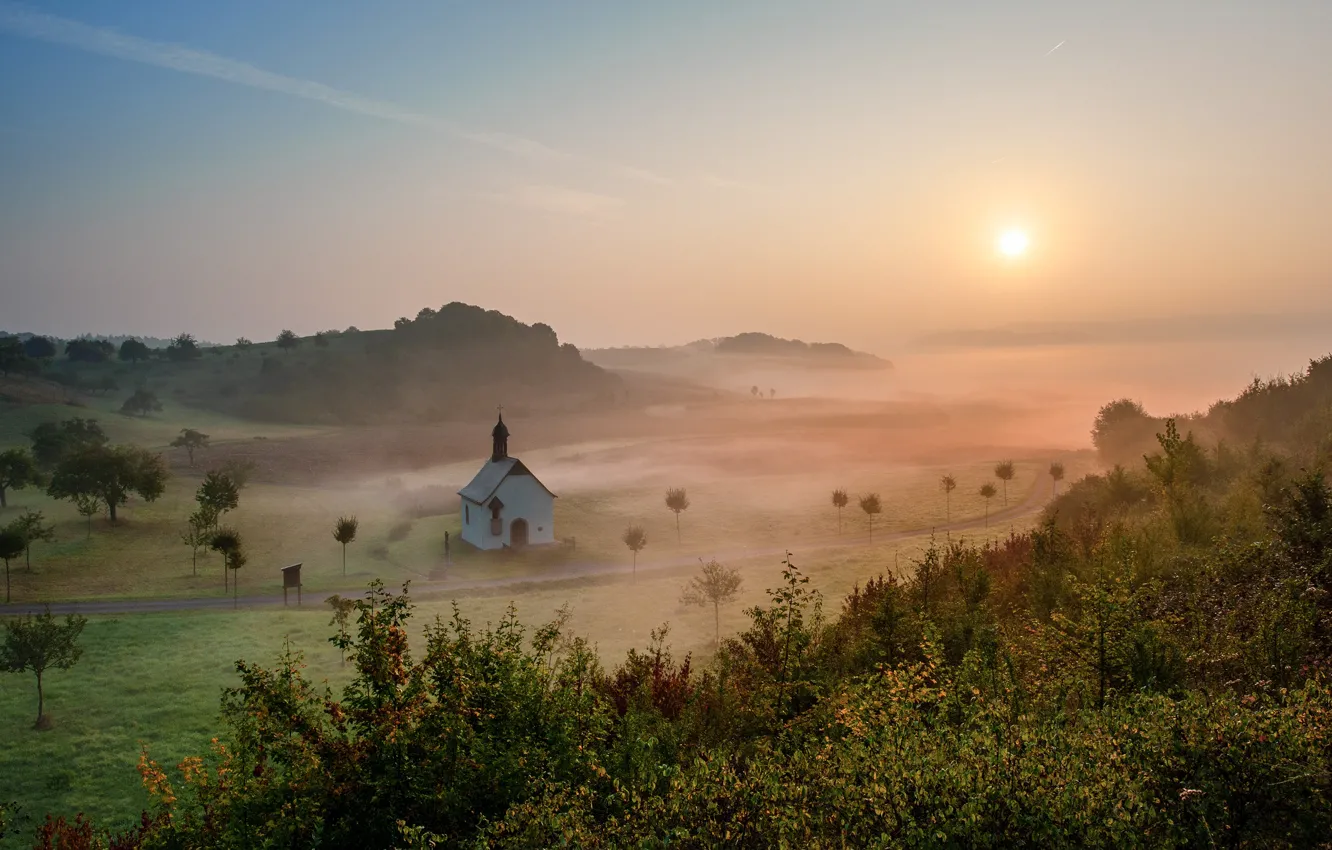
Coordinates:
(1003,470)
(13,359)
(839,500)
(132,351)
(88,350)
(111,473)
(677,501)
(32,526)
(227,542)
(217,493)
(143,402)
(754,391)
(321,340)
(988,492)
(288,340)
(39,347)
(949,484)
(17,471)
(87,504)
(635,537)
(242,343)
(345,532)
(342,610)
(190,440)
(11,546)
(38,644)
(871,505)
(198,534)
(52,442)
(1056,475)
(716,585)
(183,347)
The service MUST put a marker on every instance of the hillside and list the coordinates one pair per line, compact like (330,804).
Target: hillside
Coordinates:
(444,364)
(757,363)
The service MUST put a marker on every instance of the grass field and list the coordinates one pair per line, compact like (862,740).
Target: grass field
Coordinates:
(156,679)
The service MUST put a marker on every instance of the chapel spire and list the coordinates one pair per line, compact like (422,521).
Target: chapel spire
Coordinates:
(500,439)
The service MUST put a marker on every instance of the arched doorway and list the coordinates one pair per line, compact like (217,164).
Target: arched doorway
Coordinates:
(518,533)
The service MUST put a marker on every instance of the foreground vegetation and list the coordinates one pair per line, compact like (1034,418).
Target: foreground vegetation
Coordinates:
(1122,690)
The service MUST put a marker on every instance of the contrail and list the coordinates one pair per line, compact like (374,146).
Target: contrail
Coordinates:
(1056,47)
(108,42)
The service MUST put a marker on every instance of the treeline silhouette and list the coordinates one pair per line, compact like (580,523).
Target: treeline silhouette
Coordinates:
(453,362)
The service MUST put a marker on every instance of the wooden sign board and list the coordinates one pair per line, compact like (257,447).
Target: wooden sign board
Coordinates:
(291,577)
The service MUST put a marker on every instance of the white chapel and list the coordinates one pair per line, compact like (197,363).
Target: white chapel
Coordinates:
(505,505)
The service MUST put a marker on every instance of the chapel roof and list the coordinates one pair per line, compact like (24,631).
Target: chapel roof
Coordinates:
(484,484)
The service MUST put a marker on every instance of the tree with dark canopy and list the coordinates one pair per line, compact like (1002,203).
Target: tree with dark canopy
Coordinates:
(88,350)
(142,402)
(988,491)
(1056,475)
(111,473)
(37,644)
(190,440)
(227,542)
(52,442)
(182,348)
(217,493)
(39,347)
(17,471)
(948,483)
(287,340)
(132,351)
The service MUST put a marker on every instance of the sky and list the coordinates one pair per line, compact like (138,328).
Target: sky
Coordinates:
(646,173)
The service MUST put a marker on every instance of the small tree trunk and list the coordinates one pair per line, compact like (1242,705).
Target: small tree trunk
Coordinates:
(3,498)
(111,509)
(716,620)
(344,560)
(89,536)
(677,528)
(635,573)
(27,557)
(6,581)
(839,522)
(41,698)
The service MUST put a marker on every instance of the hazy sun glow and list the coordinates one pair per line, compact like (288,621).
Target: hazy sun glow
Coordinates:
(1013,243)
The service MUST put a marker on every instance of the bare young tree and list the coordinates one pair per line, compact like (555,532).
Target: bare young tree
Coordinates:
(198,534)
(33,527)
(872,506)
(948,483)
(11,546)
(716,585)
(635,538)
(87,504)
(677,501)
(342,610)
(1056,475)
(37,644)
(988,492)
(345,532)
(225,541)
(1003,470)
(839,500)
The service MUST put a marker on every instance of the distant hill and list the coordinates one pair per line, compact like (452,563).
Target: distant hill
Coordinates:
(792,352)
(454,362)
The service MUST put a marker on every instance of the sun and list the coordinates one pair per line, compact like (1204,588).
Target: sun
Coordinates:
(1013,243)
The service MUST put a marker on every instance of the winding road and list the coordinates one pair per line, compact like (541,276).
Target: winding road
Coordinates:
(426,587)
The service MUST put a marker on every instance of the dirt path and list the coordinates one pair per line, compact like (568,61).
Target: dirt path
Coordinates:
(572,572)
